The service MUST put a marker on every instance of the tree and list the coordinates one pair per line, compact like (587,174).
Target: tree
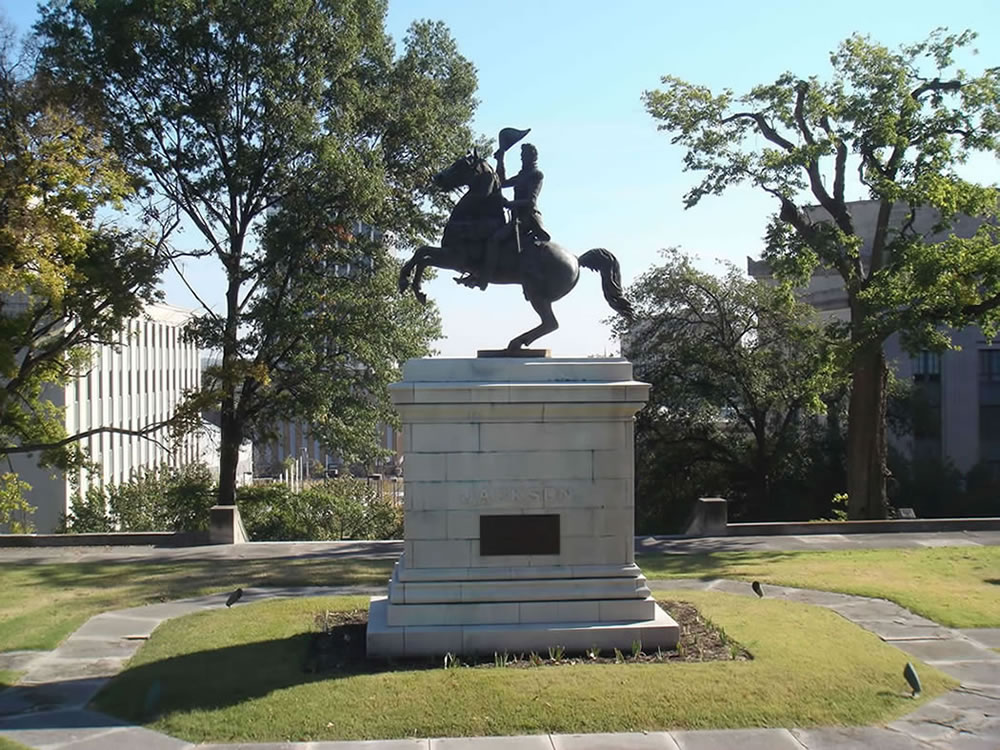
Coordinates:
(904,132)
(234,109)
(735,366)
(67,280)
(327,327)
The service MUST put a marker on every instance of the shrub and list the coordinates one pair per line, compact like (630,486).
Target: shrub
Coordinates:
(344,508)
(164,499)
(87,514)
(15,511)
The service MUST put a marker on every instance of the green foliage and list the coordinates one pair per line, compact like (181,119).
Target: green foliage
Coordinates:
(88,514)
(329,328)
(296,115)
(737,368)
(345,508)
(839,506)
(904,122)
(167,499)
(164,499)
(66,280)
(15,512)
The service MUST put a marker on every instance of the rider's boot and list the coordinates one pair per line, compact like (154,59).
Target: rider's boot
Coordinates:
(489,265)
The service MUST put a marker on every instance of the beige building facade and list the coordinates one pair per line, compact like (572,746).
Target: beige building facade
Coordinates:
(961,387)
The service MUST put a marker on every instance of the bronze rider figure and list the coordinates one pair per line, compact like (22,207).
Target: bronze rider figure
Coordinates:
(525,216)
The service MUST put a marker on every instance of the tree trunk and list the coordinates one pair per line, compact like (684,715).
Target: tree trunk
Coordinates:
(866,436)
(231,438)
(231,434)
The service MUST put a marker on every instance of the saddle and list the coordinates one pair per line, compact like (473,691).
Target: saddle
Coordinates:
(529,241)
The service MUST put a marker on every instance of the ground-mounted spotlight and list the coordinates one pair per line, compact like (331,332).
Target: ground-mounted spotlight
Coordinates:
(911,677)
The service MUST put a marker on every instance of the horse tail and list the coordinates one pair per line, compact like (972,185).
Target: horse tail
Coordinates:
(603,261)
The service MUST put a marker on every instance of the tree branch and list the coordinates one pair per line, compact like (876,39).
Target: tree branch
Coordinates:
(935,84)
(840,162)
(144,433)
(194,294)
(800,98)
(768,132)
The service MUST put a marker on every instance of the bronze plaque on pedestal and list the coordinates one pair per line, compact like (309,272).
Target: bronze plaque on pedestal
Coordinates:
(534,534)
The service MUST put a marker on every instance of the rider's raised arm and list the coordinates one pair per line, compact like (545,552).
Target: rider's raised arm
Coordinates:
(501,170)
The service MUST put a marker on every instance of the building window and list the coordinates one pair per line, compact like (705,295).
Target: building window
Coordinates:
(927,366)
(989,365)
(989,423)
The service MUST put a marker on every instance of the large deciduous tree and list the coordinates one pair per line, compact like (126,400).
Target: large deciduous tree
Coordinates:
(236,109)
(68,278)
(736,367)
(899,124)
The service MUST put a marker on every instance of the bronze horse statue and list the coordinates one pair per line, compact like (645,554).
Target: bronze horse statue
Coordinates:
(545,271)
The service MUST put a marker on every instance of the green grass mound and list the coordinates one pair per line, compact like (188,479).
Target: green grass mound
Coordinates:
(237,676)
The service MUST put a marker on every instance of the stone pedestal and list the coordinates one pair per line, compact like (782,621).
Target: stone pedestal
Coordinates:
(519,515)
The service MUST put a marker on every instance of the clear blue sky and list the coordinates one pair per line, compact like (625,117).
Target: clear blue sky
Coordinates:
(574,71)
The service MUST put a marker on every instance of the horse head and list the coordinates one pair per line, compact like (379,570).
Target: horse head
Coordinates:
(462,172)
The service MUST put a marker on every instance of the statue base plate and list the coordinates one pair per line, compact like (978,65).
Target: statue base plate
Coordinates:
(514,353)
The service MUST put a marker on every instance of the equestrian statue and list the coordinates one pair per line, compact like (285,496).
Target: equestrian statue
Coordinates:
(485,248)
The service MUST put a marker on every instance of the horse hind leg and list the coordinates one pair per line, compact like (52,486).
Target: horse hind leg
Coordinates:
(548,325)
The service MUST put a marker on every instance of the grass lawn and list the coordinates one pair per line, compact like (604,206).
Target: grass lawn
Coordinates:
(42,603)
(8,677)
(6,744)
(955,586)
(236,676)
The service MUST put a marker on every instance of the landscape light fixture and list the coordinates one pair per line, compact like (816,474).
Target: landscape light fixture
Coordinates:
(911,677)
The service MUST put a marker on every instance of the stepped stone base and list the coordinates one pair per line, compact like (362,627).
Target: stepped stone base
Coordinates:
(384,640)
(521,609)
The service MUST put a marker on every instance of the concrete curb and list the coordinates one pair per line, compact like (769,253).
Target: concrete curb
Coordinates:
(47,709)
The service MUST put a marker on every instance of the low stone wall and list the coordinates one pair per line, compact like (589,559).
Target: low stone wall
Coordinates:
(709,518)
(897,525)
(107,539)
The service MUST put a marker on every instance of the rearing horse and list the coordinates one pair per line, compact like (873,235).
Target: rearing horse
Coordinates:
(545,271)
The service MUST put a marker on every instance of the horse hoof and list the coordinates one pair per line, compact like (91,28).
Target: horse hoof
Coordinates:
(421,297)
(403,284)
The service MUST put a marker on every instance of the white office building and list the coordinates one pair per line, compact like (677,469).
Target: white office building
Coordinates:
(134,383)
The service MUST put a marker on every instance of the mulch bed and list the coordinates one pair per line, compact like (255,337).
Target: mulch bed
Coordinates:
(338,644)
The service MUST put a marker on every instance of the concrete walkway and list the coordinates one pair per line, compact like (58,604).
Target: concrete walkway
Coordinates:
(391,549)
(47,709)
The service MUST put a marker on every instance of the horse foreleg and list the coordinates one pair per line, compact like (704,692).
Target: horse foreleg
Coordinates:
(404,275)
(418,280)
(418,259)
(548,325)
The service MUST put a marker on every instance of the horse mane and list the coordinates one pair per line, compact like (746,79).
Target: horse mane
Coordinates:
(483,167)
